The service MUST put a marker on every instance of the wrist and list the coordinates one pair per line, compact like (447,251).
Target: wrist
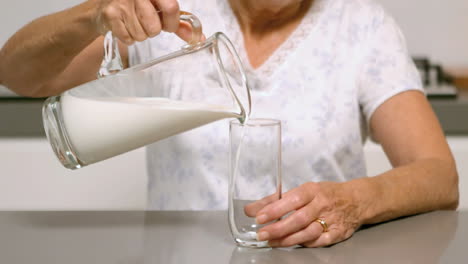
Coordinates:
(87,15)
(364,196)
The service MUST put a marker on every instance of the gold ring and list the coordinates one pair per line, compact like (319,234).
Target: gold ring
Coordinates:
(323,224)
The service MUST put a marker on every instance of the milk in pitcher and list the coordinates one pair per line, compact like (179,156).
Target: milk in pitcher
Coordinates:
(100,128)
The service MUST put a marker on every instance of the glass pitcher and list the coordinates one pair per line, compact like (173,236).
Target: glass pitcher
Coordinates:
(202,82)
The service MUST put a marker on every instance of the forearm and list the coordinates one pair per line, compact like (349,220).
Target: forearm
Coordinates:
(42,49)
(421,186)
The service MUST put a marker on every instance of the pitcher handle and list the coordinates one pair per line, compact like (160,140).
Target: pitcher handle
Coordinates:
(112,62)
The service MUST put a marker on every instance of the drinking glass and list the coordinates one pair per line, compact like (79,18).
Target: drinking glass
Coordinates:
(255,176)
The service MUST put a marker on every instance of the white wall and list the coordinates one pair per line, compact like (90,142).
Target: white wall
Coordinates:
(434,28)
(16,13)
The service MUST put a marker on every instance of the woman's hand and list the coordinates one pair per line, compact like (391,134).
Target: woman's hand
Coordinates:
(137,20)
(329,201)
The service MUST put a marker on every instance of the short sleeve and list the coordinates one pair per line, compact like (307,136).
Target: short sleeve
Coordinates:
(387,69)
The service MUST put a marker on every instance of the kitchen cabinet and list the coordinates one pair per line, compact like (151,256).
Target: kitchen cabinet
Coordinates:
(32,179)
(377,163)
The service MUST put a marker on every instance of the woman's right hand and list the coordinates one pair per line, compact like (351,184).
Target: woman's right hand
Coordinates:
(137,20)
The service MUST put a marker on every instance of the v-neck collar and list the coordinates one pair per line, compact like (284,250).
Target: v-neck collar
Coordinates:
(278,58)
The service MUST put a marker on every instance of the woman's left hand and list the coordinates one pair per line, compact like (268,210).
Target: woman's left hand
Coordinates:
(328,201)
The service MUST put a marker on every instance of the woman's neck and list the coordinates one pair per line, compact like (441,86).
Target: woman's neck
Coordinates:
(259,17)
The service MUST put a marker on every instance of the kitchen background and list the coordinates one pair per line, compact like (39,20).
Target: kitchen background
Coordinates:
(32,179)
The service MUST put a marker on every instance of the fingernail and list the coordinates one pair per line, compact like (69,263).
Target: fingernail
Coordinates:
(273,243)
(262,236)
(261,219)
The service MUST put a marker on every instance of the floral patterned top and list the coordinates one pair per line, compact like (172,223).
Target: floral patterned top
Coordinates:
(324,83)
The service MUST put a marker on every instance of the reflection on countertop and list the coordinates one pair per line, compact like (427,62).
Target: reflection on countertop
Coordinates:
(193,237)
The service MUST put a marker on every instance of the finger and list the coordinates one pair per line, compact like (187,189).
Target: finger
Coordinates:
(325,239)
(120,31)
(170,14)
(107,16)
(334,235)
(252,208)
(133,26)
(148,17)
(311,233)
(184,31)
(292,200)
(295,222)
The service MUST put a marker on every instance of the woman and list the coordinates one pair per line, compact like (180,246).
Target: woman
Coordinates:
(332,70)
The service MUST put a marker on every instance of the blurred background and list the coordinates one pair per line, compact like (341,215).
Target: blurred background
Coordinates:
(32,179)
